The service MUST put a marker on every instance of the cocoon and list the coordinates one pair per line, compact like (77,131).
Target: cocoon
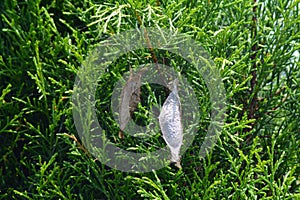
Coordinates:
(170,123)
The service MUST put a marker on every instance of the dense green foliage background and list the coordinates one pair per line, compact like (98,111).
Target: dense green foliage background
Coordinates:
(255,46)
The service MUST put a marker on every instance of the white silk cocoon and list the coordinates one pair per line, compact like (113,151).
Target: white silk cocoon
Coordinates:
(170,123)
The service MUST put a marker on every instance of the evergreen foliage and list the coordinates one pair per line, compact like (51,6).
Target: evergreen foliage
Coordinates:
(254,44)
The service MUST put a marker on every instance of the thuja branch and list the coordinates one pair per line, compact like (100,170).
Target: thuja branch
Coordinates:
(254,49)
(149,45)
(253,103)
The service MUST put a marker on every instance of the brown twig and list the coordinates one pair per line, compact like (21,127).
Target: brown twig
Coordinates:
(253,103)
(153,56)
(254,49)
(149,45)
(78,143)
